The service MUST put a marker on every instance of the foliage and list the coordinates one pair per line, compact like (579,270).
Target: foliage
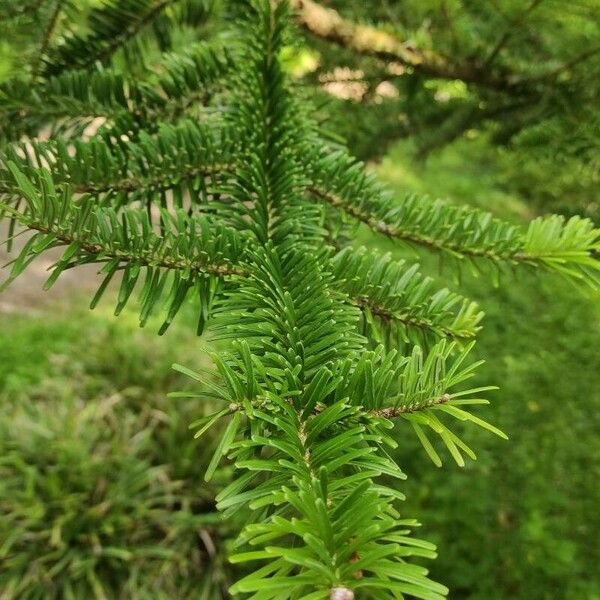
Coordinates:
(253,229)
(532,539)
(524,74)
(526,67)
(514,534)
(100,489)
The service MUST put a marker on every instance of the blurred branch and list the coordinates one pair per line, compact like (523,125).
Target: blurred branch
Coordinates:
(512,26)
(328,24)
(48,31)
(26,8)
(450,24)
(127,33)
(457,124)
(582,57)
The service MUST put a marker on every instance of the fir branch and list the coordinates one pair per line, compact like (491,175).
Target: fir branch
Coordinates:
(128,185)
(390,412)
(293,329)
(153,256)
(264,312)
(306,403)
(563,246)
(179,159)
(191,252)
(398,232)
(108,33)
(416,387)
(160,182)
(402,300)
(405,319)
(98,233)
(267,196)
(180,81)
(310,455)
(128,33)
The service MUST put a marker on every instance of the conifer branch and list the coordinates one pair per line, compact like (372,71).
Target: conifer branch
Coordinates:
(553,243)
(180,80)
(98,233)
(309,456)
(285,314)
(313,375)
(405,303)
(390,412)
(397,232)
(108,34)
(160,182)
(180,159)
(101,251)
(128,185)
(128,33)
(425,326)
(190,253)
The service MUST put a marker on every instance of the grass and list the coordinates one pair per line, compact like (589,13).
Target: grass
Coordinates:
(101,489)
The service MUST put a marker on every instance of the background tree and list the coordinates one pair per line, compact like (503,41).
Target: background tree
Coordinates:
(522,73)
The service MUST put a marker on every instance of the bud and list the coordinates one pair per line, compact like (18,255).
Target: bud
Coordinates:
(341,593)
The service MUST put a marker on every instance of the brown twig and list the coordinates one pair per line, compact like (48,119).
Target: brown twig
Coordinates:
(48,31)
(128,185)
(393,412)
(328,24)
(395,232)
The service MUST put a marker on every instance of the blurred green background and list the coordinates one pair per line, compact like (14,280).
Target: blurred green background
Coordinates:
(99,470)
